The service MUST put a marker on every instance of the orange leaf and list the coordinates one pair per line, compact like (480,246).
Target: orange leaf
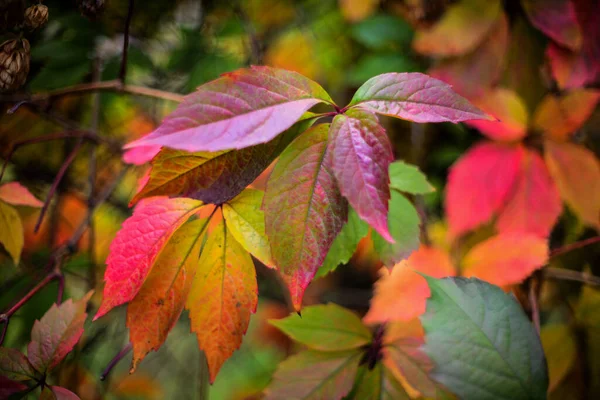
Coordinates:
(16,194)
(224,294)
(357,10)
(576,172)
(401,294)
(534,205)
(506,258)
(559,117)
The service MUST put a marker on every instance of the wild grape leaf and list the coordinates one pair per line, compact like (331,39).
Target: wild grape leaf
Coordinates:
(560,347)
(408,178)
(400,295)
(246,222)
(404,224)
(56,333)
(506,259)
(360,156)
(9,388)
(559,117)
(240,109)
(415,97)
(57,393)
(345,243)
(213,177)
(481,342)
(304,210)
(479,184)
(18,195)
(137,245)
(576,172)
(510,111)
(224,293)
(140,155)
(11,231)
(15,366)
(377,383)
(312,375)
(462,27)
(472,74)
(326,328)
(535,203)
(557,19)
(157,306)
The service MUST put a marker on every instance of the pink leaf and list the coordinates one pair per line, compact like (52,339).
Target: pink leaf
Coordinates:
(557,19)
(56,333)
(140,155)
(138,244)
(415,97)
(16,194)
(479,184)
(361,154)
(304,210)
(240,109)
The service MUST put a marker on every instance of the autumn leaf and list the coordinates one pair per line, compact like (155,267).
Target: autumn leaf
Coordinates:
(56,333)
(557,19)
(360,156)
(213,177)
(576,172)
(304,210)
(9,387)
(378,383)
(57,393)
(325,328)
(159,303)
(415,97)
(408,178)
(475,335)
(560,347)
(480,183)
(137,245)
(246,222)
(18,195)
(15,366)
(357,10)
(240,109)
(11,231)
(315,375)
(506,259)
(224,293)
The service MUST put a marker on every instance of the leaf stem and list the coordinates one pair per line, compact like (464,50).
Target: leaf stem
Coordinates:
(574,246)
(118,357)
(570,275)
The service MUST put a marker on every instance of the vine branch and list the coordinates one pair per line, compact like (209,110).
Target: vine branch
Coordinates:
(123,68)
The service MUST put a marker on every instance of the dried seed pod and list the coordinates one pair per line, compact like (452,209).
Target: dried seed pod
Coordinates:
(91,8)
(14,64)
(36,16)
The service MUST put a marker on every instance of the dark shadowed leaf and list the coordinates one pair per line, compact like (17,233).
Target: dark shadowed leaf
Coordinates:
(15,366)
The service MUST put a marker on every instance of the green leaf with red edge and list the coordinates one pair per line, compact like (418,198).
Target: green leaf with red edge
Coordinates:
(360,156)
(557,19)
(312,375)
(18,195)
(246,221)
(213,177)
(137,245)
(404,224)
(304,210)
(9,388)
(56,333)
(576,172)
(408,178)
(480,183)
(415,97)
(325,328)
(463,26)
(57,393)
(223,296)
(534,205)
(157,306)
(11,231)
(506,259)
(377,383)
(15,366)
(240,109)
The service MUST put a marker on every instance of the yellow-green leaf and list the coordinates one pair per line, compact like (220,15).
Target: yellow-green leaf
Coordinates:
(11,231)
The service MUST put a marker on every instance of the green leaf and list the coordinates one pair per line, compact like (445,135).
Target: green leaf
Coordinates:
(481,342)
(344,245)
(403,222)
(375,64)
(407,178)
(406,355)
(325,327)
(15,366)
(377,383)
(383,31)
(314,375)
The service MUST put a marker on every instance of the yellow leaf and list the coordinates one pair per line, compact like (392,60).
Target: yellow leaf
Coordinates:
(560,349)
(11,231)
(357,10)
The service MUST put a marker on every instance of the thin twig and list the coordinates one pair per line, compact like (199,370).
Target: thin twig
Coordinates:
(123,69)
(570,275)
(115,361)
(574,246)
(533,303)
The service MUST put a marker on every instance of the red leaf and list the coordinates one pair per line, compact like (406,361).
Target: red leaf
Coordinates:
(16,194)
(157,306)
(14,365)
(138,243)
(534,205)
(304,210)
(56,333)
(557,19)
(140,155)
(480,183)
(9,388)
(57,393)
(414,97)
(360,156)
(240,109)
(506,259)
